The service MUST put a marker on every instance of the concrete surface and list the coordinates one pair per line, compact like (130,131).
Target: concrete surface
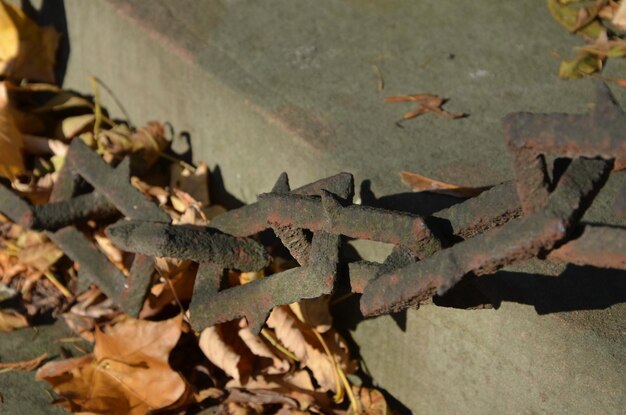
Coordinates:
(20,393)
(289,85)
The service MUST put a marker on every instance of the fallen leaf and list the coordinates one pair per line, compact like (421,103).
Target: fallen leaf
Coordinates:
(41,256)
(127,373)
(570,18)
(426,103)
(22,366)
(195,184)
(11,142)
(258,347)
(150,141)
(372,401)
(219,346)
(286,328)
(73,126)
(27,51)
(314,312)
(619,19)
(584,64)
(11,320)
(419,183)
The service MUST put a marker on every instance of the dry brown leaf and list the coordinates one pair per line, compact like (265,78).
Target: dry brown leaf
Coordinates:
(27,51)
(619,19)
(426,103)
(11,142)
(195,183)
(128,372)
(22,366)
(11,320)
(259,348)
(372,401)
(40,256)
(223,347)
(150,140)
(419,183)
(314,313)
(287,331)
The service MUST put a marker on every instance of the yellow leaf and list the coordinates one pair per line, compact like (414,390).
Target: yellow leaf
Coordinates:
(572,20)
(419,183)
(583,64)
(27,51)
(11,142)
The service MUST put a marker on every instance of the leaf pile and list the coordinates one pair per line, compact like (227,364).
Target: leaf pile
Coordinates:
(158,362)
(602,24)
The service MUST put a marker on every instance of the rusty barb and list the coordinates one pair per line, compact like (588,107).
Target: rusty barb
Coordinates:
(537,215)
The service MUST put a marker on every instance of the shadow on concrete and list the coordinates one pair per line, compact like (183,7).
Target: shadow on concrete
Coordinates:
(218,192)
(52,13)
(420,203)
(577,288)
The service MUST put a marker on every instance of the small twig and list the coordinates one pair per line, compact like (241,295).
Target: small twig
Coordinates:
(268,336)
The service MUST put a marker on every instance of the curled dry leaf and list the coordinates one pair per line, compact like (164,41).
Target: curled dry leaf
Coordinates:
(128,372)
(425,103)
(287,331)
(22,366)
(619,19)
(40,256)
(419,183)
(259,348)
(27,51)
(194,183)
(11,320)
(226,351)
(314,313)
(372,401)
(150,141)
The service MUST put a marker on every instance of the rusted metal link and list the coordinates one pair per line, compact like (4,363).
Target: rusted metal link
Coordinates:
(601,133)
(127,293)
(255,300)
(252,218)
(490,209)
(517,240)
(294,239)
(197,243)
(598,246)
(113,183)
(354,221)
(53,216)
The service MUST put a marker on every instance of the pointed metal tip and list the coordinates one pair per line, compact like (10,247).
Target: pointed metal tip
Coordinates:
(282,184)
